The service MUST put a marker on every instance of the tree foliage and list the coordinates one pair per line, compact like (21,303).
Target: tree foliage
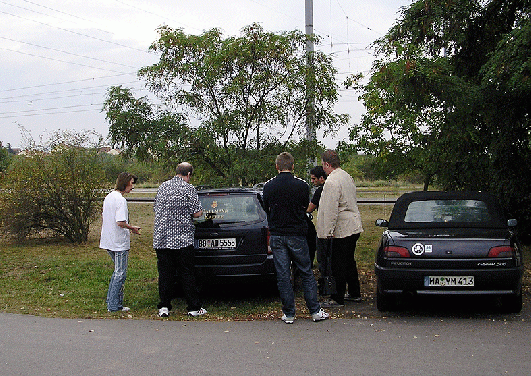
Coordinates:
(58,191)
(450,96)
(227,101)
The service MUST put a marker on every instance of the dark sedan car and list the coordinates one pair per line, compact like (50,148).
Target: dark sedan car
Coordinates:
(232,236)
(449,243)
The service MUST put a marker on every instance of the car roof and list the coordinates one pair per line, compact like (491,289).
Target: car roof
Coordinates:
(497,217)
(231,190)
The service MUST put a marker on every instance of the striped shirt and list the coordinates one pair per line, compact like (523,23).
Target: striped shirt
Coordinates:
(175,203)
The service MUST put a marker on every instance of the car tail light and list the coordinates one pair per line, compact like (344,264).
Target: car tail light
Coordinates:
(393,251)
(502,251)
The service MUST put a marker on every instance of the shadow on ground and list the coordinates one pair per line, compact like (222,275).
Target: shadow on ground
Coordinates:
(465,307)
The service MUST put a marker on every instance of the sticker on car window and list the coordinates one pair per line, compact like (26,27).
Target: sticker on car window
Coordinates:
(428,248)
(417,249)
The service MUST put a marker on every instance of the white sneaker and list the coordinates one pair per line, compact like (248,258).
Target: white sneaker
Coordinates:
(123,309)
(287,320)
(320,315)
(164,312)
(200,312)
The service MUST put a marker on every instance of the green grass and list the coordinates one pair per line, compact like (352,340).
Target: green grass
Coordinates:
(50,277)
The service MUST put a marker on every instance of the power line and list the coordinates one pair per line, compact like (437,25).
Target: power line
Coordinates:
(54,111)
(75,32)
(59,60)
(67,53)
(13,99)
(52,9)
(69,82)
(354,21)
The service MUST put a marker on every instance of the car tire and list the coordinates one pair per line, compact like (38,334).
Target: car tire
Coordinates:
(384,302)
(512,303)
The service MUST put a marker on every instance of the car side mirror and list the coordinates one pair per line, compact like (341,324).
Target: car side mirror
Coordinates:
(381,223)
(512,223)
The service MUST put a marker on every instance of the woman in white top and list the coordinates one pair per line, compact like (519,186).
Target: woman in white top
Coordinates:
(115,238)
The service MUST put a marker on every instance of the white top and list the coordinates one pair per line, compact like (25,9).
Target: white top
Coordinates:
(114,237)
(338,214)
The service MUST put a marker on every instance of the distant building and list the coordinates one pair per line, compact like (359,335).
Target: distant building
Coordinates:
(109,150)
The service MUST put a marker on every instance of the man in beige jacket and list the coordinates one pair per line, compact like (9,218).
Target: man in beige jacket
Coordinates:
(339,221)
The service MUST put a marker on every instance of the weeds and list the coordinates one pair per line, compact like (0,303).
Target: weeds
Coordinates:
(54,278)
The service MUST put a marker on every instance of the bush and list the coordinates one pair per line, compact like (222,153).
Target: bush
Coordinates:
(58,191)
(4,158)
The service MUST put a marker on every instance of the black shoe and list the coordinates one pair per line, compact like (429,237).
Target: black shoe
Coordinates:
(331,303)
(355,299)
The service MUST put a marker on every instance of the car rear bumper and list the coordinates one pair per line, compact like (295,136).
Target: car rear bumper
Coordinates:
(218,270)
(505,281)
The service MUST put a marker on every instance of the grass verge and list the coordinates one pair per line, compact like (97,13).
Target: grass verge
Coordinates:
(52,278)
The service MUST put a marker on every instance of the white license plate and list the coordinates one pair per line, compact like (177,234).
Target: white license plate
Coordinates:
(449,281)
(224,243)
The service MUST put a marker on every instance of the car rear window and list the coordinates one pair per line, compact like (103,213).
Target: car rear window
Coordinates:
(230,208)
(447,211)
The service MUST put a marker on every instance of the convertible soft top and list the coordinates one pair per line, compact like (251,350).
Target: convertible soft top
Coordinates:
(496,215)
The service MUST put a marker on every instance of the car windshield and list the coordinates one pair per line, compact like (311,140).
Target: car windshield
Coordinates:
(447,211)
(229,208)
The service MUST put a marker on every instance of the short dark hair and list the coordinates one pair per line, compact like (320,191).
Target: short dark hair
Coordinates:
(285,161)
(318,172)
(184,169)
(123,180)
(331,157)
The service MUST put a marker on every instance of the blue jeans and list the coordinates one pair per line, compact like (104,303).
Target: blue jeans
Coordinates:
(288,249)
(115,295)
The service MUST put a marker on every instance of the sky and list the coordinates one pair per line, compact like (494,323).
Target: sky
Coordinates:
(58,58)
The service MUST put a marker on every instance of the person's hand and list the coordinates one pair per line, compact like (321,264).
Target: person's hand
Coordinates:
(135,230)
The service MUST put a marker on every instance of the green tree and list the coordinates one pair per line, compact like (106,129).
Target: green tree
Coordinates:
(450,96)
(57,191)
(248,95)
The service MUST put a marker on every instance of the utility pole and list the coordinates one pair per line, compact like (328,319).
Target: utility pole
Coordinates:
(310,77)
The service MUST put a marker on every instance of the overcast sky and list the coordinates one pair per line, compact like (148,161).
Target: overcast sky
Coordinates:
(59,57)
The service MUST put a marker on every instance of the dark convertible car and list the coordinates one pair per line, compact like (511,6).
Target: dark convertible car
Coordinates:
(449,243)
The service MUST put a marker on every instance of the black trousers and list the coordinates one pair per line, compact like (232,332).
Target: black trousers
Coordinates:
(170,264)
(344,267)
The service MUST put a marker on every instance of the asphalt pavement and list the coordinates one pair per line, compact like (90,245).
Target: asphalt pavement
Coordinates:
(387,345)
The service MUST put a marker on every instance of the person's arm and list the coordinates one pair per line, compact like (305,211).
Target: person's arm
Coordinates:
(121,217)
(195,204)
(329,208)
(314,202)
(124,224)
(265,200)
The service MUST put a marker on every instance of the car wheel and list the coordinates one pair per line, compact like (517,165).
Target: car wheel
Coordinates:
(512,303)
(384,302)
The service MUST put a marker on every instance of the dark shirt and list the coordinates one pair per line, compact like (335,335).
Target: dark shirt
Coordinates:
(285,201)
(317,196)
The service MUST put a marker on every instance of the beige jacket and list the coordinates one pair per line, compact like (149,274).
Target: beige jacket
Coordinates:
(338,214)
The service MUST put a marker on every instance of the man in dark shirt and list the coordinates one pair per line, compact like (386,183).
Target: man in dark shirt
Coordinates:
(318,178)
(285,201)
